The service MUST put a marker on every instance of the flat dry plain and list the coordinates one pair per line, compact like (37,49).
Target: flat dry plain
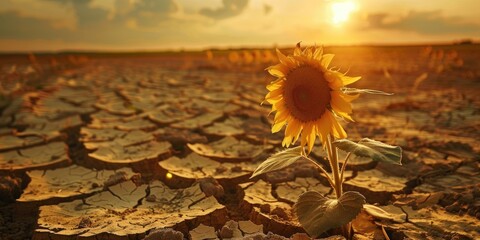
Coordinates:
(162,145)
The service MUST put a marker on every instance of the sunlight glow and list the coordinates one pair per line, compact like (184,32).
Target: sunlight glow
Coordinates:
(341,11)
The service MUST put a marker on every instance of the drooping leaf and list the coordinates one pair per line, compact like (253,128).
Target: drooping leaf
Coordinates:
(381,213)
(318,214)
(376,150)
(279,160)
(369,91)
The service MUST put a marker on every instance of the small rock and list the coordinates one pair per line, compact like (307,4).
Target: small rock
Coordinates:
(85,222)
(265,208)
(300,236)
(211,187)
(151,198)
(272,236)
(237,169)
(202,232)
(164,233)
(248,227)
(118,177)
(280,212)
(10,188)
(454,208)
(137,179)
(226,232)
(229,229)
(221,169)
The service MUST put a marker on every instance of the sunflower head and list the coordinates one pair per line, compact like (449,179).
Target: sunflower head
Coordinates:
(307,97)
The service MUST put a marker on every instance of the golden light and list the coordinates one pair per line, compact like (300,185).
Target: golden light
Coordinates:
(169,175)
(341,11)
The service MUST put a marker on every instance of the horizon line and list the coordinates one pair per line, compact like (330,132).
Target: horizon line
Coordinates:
(230,48)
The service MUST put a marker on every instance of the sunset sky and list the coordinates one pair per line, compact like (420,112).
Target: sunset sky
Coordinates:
(32,25)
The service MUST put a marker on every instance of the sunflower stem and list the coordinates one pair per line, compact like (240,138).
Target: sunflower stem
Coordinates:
(344,166)
(332,152)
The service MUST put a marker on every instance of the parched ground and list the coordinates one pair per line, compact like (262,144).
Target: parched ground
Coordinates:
(162,147)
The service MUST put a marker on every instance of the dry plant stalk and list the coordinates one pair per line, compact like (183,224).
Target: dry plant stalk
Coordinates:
(310,98)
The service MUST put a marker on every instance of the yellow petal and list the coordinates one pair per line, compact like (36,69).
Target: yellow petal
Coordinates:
(339,104)
(274,93)
(300,127)
(293,128)
(345,115)
(275,72)
(278,126)
(279,106)
(287,140)
(274,108)
(311,140)
(298,50)
(322,138)
(317,55)
(338,130)
(278,70)
(308,52)
(326,59)
(302,59)
(324,124)
(273,100)
(349,98)
(283,59)
(274,96)
(349,80)
(306,130)
(275,84)
(333,79)
(281,116)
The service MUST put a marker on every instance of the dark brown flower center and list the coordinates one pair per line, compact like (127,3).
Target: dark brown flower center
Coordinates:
(307,93)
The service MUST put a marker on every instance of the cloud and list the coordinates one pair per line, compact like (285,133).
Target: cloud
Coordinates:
(230,8)
(15,26)
(87,15)
(153,24)
(430,22)
(145,13)
(148,13)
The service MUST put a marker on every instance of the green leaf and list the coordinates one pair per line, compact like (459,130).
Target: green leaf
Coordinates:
(375,150)
(369,91)
(318,214)
(279,160)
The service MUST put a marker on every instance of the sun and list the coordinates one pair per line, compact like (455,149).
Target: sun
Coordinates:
(341,11)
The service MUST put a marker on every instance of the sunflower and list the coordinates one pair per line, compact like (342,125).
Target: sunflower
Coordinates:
(308,97)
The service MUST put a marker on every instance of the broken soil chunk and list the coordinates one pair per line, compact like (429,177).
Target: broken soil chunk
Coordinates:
(229,148)
(50,155)
(122,211)
(72,181)
(195,166)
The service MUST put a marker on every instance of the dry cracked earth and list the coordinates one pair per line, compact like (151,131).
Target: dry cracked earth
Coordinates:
(162,147)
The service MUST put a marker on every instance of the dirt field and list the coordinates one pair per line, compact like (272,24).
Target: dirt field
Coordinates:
(131,146)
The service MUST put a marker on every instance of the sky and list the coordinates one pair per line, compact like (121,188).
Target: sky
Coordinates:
(132,25)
